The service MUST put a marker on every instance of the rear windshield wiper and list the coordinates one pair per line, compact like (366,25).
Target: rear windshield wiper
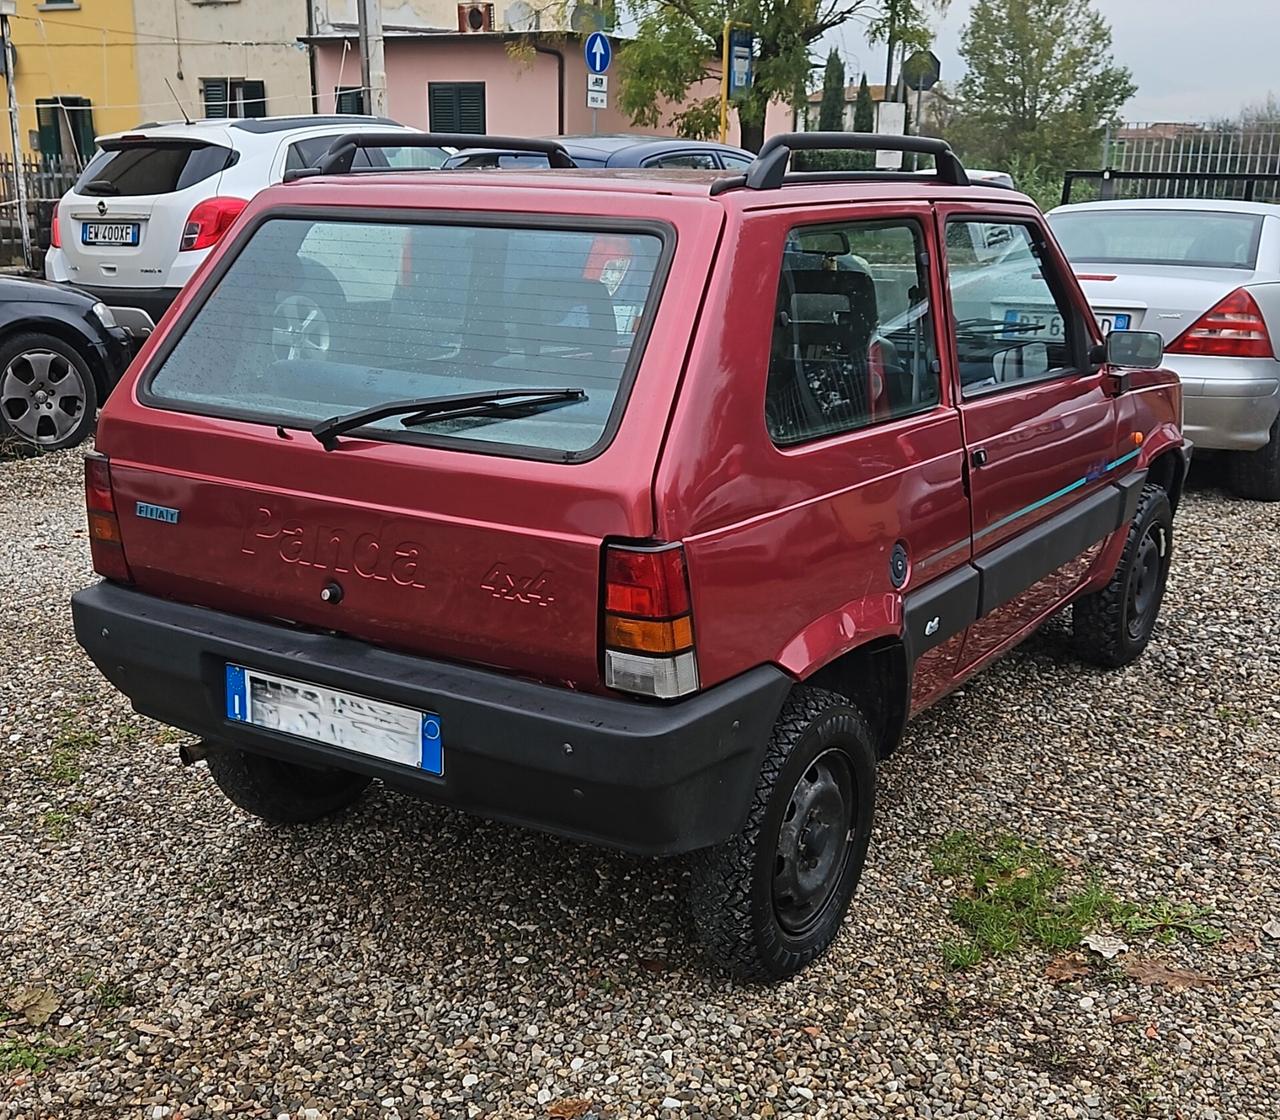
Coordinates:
(100,186)
(423,409)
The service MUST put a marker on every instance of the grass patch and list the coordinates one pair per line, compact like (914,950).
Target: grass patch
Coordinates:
(66,765)
(33,1055)
(57,823)
(1013,895)
(110,995)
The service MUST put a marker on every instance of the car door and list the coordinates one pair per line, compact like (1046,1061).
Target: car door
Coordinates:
(1038,418)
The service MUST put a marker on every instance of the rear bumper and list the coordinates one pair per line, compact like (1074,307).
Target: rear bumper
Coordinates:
(154,301)
(1229,404)
(648,778)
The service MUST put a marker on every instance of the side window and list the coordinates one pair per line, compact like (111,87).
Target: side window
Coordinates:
(853,336)
(306,153)
(734,162)
(1011,325)
(702,161)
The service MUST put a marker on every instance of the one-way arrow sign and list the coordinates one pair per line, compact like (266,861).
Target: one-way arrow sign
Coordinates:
(599,52)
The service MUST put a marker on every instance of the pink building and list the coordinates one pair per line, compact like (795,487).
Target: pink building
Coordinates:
(515,84)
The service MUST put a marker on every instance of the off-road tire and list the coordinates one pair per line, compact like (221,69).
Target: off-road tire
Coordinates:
(732,890)
(282,792)
(1256,474)
(1113,626)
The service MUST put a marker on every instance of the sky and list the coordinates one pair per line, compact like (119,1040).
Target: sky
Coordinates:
(1191,59)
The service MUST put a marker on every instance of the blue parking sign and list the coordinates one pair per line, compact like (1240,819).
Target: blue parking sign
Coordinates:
(599,52)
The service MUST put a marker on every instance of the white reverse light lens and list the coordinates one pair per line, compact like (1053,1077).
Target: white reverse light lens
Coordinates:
(664,678)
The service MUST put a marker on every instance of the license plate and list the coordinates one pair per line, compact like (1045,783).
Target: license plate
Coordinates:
(1050,324)
(110,233)
(340,719)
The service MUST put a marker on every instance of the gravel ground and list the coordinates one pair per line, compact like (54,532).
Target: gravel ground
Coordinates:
(404,961)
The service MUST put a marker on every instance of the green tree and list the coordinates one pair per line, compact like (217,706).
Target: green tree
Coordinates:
(831,111)
(1041,86)
(864,109)
(678,43)
(903,23)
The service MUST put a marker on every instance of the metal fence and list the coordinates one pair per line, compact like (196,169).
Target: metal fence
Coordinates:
(1188,160)
(46,182)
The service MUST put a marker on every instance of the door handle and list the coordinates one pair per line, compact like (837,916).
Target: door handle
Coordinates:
(979,457)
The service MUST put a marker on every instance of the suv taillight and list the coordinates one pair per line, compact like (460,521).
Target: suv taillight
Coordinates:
(105,544)
(1232,328)
(209,221)
(648,627)
(55,234)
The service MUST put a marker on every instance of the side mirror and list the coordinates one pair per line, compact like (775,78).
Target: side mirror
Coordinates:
(1135,349)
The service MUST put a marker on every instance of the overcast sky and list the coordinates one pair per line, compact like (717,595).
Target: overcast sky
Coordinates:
(1191,59)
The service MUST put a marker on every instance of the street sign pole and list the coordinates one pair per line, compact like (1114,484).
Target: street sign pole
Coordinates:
(599,53)
(734,78)
(724,84)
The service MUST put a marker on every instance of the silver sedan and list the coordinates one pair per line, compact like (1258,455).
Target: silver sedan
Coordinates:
(1205,274)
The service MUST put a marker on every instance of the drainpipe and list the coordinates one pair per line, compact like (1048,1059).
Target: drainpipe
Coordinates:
(559,56)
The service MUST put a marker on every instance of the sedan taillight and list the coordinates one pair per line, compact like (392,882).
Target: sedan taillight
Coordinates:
(1232,328)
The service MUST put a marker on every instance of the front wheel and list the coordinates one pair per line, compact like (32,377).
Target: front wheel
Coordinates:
(1113,626)
(282,792)
(48,398)
(771,898)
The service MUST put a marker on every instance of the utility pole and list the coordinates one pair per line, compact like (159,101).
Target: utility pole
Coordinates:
(7,9)
(892,36)
(373,63)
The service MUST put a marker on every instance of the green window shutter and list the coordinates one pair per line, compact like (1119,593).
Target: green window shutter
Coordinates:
(253,95)
(50,133)
(349,100)
(80,114)
(456,106)
(214,91)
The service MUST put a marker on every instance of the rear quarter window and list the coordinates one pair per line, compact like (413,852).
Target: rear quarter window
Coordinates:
(317,317)
(152,168)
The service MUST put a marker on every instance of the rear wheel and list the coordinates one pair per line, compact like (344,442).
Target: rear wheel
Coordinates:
(1113,626)
(48,399)
(771,899)
(282,792)
(1256,474)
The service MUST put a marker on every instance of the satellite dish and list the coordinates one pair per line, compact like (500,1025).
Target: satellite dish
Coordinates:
(521,17)
(586,18)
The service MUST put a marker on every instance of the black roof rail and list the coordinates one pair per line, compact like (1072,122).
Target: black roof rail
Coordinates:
(769,171)
(340,157)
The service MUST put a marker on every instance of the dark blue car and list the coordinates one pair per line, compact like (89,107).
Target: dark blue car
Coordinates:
(616,151)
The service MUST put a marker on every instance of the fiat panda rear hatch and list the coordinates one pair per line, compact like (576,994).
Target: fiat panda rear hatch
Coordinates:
(413,409)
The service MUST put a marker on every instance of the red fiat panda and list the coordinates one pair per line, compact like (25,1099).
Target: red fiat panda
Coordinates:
(642,507)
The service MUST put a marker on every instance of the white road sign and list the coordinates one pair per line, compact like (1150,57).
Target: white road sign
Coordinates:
(597,99)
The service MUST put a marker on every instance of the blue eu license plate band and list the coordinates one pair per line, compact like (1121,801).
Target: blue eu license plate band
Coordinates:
(354,723)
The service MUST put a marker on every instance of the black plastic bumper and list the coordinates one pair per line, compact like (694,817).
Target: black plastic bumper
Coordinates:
(647,778)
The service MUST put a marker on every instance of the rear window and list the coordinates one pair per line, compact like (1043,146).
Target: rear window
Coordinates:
(316,318)
(152,168)
(1179,237)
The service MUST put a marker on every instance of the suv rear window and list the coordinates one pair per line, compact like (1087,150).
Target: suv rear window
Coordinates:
(1179,237)
(316,318)
(152,168)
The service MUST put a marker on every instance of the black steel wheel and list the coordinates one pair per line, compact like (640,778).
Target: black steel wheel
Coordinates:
(771,898)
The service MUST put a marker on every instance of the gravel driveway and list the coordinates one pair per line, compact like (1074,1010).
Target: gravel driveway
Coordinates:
(404,961)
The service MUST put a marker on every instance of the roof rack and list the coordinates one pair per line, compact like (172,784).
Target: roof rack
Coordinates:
(340,157)
(1178,184)
(769,171)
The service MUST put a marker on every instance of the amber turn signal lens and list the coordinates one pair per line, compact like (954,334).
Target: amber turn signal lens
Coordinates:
(104,526)
(648,636)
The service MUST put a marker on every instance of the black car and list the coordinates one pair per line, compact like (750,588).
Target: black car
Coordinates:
(616,151)
(61,353)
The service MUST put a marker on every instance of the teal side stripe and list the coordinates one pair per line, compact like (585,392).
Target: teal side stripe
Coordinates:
(1052,497)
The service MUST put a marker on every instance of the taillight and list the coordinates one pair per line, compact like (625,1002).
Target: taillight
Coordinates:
(608,261)
(1232,328)
(55,234)
(209,221)
(105,544)
(648,628)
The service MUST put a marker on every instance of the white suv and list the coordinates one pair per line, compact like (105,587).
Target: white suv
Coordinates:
(153,201)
